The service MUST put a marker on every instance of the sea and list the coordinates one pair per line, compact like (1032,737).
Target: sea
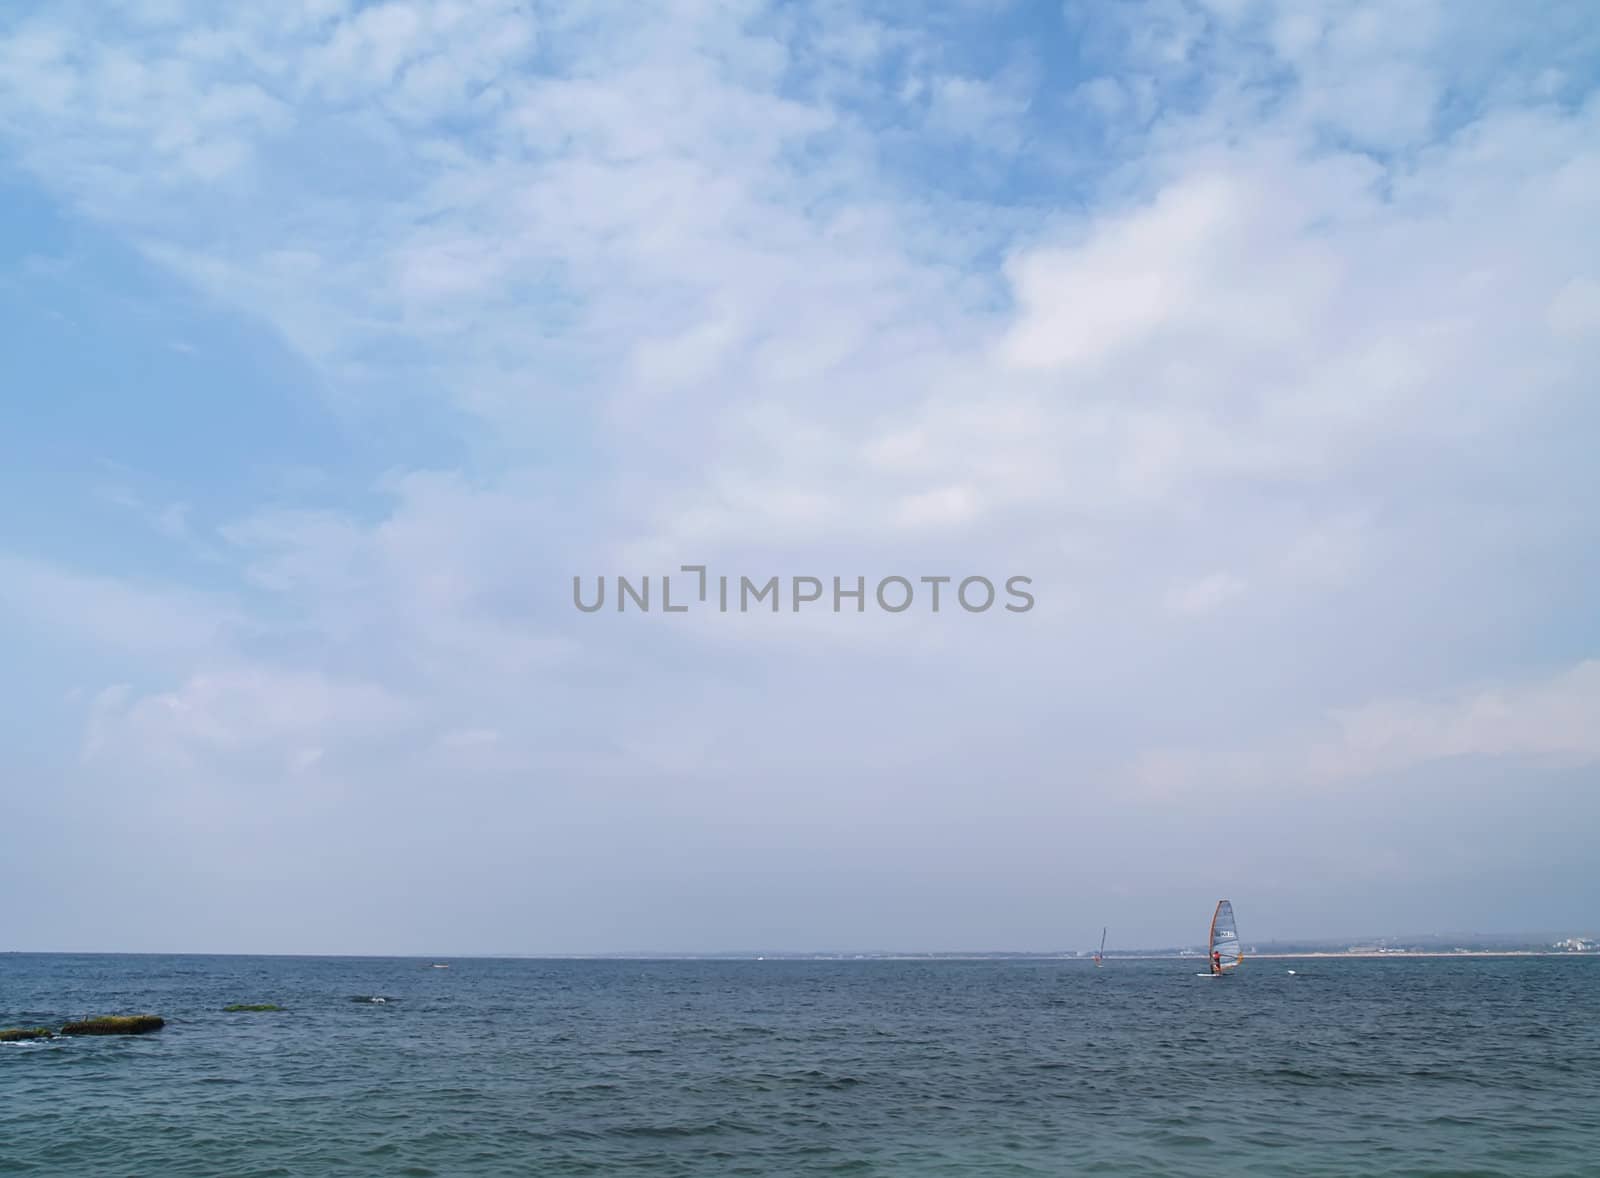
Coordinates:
(1397,1066)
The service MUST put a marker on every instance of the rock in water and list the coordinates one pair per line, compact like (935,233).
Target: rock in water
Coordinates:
(116,1024)
(17,1034)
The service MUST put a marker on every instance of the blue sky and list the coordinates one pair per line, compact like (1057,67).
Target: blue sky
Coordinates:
(339,337)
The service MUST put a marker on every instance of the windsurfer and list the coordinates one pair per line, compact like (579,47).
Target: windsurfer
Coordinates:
(1216,961)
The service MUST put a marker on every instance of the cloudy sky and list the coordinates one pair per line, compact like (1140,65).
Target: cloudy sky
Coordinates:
(338,338)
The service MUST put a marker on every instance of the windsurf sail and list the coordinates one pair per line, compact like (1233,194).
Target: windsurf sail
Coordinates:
(1223,945)
(1101,955)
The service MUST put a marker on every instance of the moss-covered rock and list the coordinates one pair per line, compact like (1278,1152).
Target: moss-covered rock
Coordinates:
(17,1034)
(238,1006)
(116,1024)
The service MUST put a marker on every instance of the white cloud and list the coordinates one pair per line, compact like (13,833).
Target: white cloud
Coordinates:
(1239,306)
(988,112)
(242,719)
(1202,596)
(1575,309)
(1553,719)
(155,621)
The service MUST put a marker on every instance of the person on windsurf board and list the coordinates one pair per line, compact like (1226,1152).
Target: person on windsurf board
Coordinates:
(1223,941)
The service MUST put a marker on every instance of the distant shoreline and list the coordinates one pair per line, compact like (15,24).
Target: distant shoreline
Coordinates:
(780,956)
(1327,954)
(1432,953)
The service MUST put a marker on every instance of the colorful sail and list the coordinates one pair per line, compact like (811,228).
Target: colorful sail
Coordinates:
(1223,946)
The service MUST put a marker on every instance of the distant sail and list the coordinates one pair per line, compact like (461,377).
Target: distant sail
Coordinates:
(1101,956)
(1224,941)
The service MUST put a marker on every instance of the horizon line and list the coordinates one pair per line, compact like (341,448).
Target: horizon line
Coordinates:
(1311,944)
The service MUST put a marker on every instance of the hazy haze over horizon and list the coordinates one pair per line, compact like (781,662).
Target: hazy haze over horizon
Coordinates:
(340,337)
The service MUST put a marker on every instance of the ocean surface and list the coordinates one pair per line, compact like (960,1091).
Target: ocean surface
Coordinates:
(529,1067)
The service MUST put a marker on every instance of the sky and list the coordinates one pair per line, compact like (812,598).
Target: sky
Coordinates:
(337,339)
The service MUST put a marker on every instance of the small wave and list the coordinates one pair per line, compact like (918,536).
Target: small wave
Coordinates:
(811,1077)
(1185,1140)
(707,1129)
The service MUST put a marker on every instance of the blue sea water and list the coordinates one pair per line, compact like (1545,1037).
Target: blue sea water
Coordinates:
(1477,1066)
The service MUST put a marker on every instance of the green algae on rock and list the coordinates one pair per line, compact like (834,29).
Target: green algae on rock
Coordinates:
(17,1034)
(116,1024)
(252,1006)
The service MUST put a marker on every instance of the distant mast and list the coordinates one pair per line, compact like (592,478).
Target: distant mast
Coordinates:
(1222,946)
(1101,956)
